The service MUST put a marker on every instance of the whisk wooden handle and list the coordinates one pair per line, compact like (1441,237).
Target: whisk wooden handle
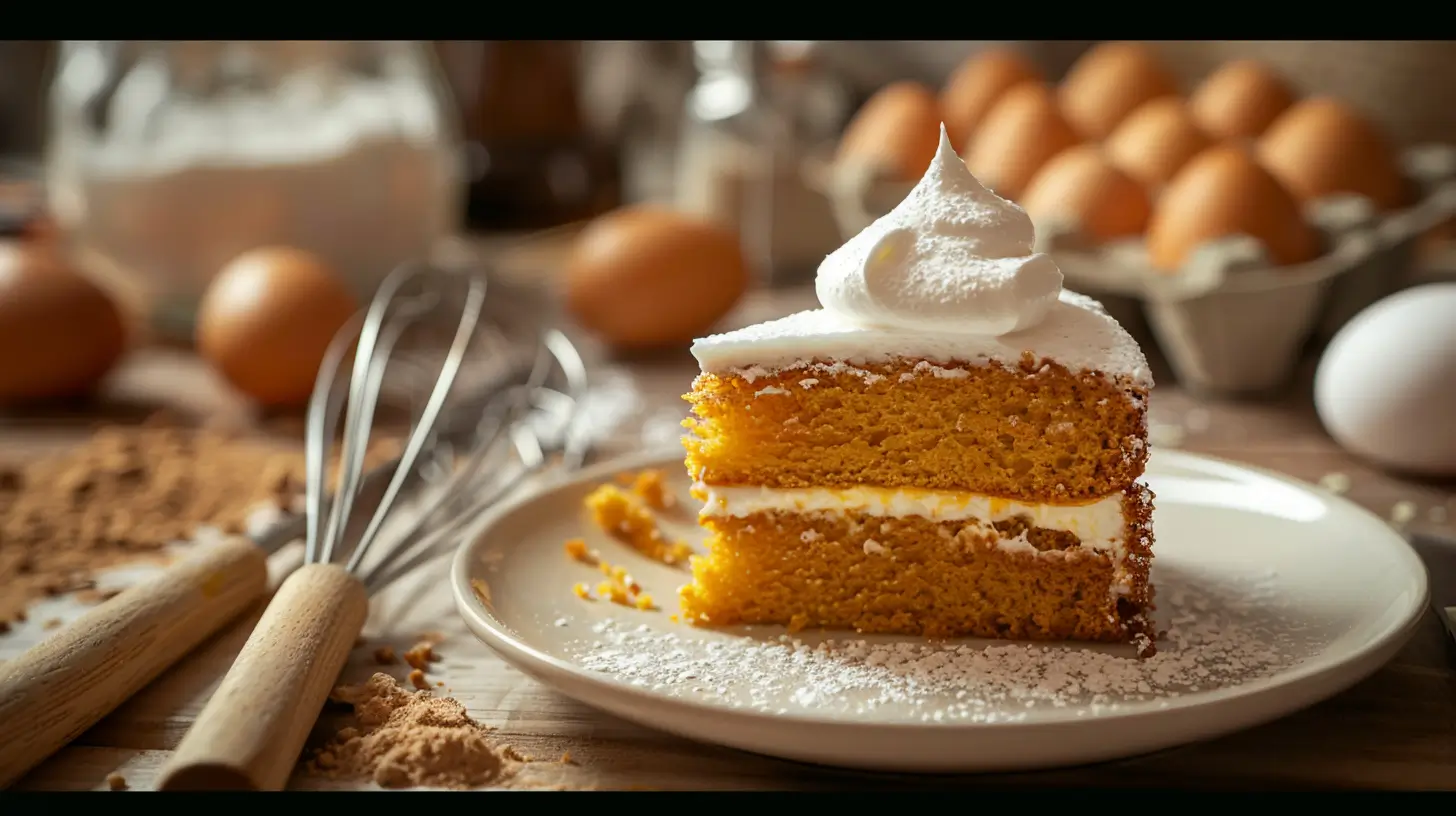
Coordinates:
(250,733)
(67,682)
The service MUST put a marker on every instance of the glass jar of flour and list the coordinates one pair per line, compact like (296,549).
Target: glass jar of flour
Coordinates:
(165,160)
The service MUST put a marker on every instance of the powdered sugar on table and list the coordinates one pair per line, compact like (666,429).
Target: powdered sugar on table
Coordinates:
(1219,632)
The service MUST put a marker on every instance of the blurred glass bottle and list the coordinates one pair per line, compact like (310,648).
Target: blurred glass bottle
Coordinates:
(759,111)
(165,160)
(533,161)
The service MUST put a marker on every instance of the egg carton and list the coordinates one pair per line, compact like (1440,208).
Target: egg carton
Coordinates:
(1230,322)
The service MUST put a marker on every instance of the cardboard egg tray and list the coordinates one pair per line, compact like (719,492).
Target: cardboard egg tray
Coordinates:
(1230,323)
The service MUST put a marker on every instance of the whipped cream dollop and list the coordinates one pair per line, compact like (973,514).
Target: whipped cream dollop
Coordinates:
(951,257)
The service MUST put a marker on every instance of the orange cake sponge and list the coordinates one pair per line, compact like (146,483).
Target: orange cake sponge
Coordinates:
(952,446)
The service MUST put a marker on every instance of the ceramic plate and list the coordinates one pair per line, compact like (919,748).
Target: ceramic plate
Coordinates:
(1273,595)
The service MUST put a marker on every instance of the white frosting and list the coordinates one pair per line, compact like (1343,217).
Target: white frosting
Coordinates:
(1098,525)
(952,256)
(1077,333)
(948,276)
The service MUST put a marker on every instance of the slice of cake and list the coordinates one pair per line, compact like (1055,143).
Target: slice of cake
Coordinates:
(951,446)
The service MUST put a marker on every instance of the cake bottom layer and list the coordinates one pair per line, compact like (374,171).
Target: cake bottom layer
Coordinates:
(917,576)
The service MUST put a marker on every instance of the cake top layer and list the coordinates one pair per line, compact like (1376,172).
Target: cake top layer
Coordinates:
(1076,332)
(952,256)
(948,275)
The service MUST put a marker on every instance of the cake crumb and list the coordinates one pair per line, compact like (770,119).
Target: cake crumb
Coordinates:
(625,517)
(421,655)
(612,591)
(116,781)
(53,623)
(384,656)
(417,679)
(618,575)
(619,588)
(576,550)
(648,485)
(566,759)
(411,739)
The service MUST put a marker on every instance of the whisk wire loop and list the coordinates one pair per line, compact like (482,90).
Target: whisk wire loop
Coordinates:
(374,335)
(323,416)
(360,405)
(423,431)
(477,484)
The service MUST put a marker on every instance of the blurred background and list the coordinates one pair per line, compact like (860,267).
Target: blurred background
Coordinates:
(226,205)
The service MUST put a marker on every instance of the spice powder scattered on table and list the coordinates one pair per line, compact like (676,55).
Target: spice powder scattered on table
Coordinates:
(124,495)
(405,739)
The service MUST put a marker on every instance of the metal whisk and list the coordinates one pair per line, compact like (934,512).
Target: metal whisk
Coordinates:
(250,733)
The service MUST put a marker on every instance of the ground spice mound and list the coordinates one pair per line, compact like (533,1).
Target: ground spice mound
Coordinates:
(125,494)
(411,739)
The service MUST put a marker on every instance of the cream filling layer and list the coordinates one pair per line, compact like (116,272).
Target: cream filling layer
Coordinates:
(1098,524)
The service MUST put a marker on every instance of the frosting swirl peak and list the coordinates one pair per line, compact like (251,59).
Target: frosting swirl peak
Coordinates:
(952,256)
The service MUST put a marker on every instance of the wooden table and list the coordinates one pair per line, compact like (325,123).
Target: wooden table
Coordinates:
(1396,730)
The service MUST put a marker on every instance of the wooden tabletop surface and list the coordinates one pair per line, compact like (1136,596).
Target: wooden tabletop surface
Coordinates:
(1395,730)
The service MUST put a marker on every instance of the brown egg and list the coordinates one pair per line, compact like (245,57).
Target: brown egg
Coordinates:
(1109,82)
(1080,186)
(1222,192)
(898,130)
(1022,132)
(1154,142)
(1322,147)
(59,333)
(1240,100)
(977,84)
(267,319)
(646,278)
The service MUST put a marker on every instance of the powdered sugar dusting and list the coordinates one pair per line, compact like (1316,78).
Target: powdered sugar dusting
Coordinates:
(1218,633)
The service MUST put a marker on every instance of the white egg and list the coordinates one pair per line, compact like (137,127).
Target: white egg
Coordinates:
(1386,385)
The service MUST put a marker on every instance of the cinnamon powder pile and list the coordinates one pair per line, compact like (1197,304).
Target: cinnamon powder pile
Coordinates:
(412,739)
(124,495)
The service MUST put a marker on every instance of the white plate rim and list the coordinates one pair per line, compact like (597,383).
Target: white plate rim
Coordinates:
(1370,656)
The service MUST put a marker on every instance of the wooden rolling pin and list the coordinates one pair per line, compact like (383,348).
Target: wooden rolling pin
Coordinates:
(249,735)
(67,682)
